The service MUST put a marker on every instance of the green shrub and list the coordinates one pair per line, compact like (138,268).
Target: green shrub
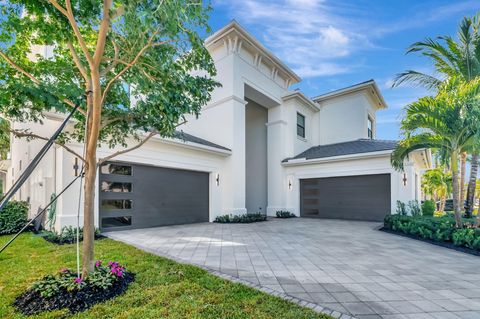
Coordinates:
(414,208)
(401,208)
(245,218)
(428,208)
(68,235)
(284,214)
(442,229)
(13,217)
(468,237)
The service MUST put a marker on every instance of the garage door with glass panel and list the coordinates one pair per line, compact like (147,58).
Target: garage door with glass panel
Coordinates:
(362,197)
(140,196)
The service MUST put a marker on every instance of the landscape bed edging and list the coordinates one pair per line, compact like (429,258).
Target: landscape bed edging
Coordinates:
(444,244)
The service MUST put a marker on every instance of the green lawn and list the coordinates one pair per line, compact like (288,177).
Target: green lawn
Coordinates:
(162,289)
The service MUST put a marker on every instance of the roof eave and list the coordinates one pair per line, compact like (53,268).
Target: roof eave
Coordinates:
(299,95)
(338,158)
(352,89)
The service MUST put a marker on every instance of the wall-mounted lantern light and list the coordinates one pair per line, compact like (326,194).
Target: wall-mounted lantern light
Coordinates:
(75,166)
(289,185)
(404,179)
(217,179)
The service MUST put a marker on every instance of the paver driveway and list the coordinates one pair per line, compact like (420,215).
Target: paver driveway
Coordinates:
(347,266)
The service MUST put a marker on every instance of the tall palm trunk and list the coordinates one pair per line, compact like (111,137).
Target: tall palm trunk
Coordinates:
(456,189)
(472,183)
(463,173)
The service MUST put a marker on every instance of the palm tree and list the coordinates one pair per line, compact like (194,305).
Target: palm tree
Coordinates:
(451,58)
(443,122)
(438,184)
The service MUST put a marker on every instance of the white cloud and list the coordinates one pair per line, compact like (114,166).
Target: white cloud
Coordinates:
(323,37)
(309,35)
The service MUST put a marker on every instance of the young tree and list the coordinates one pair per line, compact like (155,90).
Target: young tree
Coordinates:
(135,67)
(445,122)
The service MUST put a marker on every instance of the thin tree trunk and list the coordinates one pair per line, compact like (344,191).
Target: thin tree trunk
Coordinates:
(93,129)
(456,189)
(463,173)
(472,183)
(88,214)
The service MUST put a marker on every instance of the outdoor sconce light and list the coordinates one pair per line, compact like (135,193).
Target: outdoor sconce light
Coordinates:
(289,185)
(217,179)
(404,179)
(75,166)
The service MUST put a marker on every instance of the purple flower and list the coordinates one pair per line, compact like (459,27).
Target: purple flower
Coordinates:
(78,280)
(98,263)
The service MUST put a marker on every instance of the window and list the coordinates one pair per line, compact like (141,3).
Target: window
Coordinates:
(116,187)
(117,169)
(370,128)
(116,221)
(117,204)
(300,125)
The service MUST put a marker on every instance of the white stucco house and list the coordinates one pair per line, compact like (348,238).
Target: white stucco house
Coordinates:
(258,146)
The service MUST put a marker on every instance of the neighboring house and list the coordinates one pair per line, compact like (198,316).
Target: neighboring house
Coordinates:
(257,147)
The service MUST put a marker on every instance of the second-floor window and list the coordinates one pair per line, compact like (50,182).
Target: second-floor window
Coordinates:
(370,128)
(301,125)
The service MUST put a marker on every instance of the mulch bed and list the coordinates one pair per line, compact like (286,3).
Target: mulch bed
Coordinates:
(64,241)
(445,244)
(31,302)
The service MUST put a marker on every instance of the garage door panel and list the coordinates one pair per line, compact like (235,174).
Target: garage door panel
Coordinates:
(159,196)
(365,197)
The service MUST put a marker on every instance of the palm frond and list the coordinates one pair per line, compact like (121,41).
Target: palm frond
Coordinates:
(416,78)
(413,143)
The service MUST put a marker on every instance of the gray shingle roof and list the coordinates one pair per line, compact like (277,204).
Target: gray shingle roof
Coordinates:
(193,139)
(346,148)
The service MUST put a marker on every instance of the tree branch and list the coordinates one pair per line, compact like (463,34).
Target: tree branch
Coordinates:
(36,81)
(22,134)
(115,60)
(130,64)
(68,13)
(149,136)
(77,61)
(102,33)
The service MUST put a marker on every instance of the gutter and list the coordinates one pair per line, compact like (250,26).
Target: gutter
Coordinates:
(339,158)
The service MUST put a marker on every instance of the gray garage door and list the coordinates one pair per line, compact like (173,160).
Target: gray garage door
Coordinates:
(365,197)
(139,196)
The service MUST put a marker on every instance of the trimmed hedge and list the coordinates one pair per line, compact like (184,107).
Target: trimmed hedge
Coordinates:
(284,214)
(68,235)
(245,218)
(13,217)
(439,229)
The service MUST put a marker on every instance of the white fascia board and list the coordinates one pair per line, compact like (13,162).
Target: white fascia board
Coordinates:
(300,96)
(193,146)
(304,161)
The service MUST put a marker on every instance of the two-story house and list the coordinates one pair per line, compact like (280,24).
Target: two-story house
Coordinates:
(257,147)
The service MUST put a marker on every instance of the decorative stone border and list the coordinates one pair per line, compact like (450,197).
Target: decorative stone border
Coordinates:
(301,302)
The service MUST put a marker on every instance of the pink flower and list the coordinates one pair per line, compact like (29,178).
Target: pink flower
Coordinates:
(98,263)
(64,270)
(78,280)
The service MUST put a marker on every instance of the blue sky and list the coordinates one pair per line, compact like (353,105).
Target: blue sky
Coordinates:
(333,44)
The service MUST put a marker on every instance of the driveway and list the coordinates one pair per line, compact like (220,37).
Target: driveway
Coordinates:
(347,266)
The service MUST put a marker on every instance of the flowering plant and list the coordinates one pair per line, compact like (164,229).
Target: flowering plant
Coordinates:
(103,277)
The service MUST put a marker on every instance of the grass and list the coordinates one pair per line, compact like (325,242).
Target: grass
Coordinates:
(162,289)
